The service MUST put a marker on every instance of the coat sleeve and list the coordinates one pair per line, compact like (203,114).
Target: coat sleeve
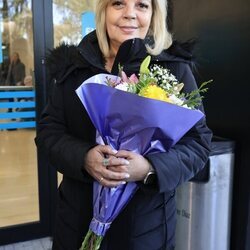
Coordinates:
(191,153)
(64,151)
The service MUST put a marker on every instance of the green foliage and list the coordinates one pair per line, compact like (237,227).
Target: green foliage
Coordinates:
(194,98)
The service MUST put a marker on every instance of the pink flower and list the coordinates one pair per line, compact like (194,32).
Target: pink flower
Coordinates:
(124,77)
(133,79)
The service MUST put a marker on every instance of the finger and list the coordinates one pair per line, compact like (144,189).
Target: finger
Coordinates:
(121,168)
(115,176)
(114,161)
(107,150)
(124,154)
(111,183)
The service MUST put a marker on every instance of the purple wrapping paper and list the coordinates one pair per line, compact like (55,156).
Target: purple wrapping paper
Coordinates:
(128,121)
(108,202)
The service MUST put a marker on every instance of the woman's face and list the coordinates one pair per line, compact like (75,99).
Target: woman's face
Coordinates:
(127,19)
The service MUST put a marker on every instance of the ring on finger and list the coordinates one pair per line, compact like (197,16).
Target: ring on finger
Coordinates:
(105,162)
(101,179)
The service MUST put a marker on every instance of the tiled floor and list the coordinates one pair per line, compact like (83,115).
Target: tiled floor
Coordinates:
(39,244)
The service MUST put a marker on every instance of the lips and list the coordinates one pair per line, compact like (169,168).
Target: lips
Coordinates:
(128,29)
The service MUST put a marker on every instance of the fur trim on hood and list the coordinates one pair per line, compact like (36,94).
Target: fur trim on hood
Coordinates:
(62,60)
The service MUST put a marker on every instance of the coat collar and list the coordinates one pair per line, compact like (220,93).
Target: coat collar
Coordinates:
(130,51)
(65,59)
(90,51)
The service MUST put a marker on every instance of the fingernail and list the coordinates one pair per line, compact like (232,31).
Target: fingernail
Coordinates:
(123,182)
(127,175)
(125,162)
(114,151)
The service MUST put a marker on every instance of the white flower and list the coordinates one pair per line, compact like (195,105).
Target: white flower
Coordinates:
(122,86)
(186,106)
(174,99)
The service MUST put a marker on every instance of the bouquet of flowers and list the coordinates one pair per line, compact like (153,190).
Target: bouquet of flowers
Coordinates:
(144,114)
(158,83)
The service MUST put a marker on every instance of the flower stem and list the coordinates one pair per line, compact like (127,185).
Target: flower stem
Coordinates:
(85,244)
(98,242)
(91,241)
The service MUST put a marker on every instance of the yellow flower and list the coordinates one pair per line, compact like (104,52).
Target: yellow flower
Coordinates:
(154,92)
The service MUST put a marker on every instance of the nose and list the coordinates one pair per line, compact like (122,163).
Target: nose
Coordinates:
(129,12)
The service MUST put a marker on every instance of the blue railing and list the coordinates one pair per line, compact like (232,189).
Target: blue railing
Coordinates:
(17,107)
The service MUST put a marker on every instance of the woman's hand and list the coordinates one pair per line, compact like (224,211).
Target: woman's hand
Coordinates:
(138,166)
(103,165)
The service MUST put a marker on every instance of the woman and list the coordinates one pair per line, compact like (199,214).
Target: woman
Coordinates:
(16,72)
(126,31)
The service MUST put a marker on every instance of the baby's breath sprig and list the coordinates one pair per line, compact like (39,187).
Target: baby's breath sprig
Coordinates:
(166,80)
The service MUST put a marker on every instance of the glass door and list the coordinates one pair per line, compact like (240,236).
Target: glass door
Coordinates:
(72,20)
(28,29)
(18,172)
(26,187)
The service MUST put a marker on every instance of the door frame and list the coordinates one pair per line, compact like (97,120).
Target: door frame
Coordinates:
(47,176)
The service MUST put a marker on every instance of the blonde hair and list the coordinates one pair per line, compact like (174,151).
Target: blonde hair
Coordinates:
(162,39)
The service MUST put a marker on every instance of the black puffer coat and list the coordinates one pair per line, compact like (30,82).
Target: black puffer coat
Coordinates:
(66,133)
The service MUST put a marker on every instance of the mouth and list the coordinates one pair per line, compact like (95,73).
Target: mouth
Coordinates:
(128,29)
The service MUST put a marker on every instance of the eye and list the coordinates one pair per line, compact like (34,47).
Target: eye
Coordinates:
(117,4)
(143,6)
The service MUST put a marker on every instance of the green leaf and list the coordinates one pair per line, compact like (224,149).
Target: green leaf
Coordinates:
(144,65)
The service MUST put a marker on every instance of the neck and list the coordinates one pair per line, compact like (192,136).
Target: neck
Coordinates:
(109,61)
(111,58)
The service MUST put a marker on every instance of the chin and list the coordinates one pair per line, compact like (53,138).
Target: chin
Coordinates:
(129,37)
